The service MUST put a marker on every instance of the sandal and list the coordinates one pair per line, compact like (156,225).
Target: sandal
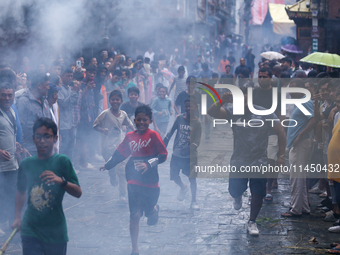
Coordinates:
(290,214)
(268,198)
(153,219)
(334,244)
(323,194)
(334,250)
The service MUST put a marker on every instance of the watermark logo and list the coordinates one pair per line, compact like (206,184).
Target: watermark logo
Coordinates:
(238,99)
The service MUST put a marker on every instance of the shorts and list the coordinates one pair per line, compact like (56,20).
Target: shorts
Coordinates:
(273,147)
(33,246)
(239,185)
(142,199)
(186,164)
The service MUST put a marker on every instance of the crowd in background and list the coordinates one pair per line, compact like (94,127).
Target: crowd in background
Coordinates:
(75,95)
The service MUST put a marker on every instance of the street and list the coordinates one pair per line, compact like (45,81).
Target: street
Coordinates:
(98,225)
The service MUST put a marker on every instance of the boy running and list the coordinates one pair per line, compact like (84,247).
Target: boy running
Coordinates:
(161,109)
(147,150)
(112,124)
(184,154)
(45,177)
(130,106)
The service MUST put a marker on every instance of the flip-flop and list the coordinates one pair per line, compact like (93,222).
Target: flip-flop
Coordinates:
(152,220)
(290,214)
(268,198)
(334,249)
(323,195)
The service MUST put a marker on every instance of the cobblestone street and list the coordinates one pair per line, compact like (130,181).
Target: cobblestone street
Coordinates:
(98,225)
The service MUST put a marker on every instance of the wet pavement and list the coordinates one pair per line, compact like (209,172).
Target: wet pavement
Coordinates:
(97,224)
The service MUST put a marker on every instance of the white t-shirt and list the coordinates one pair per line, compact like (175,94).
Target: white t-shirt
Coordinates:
(149,55)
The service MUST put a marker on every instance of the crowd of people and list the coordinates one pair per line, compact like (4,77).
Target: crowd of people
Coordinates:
(115,106)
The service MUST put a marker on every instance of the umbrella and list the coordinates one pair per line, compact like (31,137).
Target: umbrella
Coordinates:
(270,55)
(323,59)
(291,48)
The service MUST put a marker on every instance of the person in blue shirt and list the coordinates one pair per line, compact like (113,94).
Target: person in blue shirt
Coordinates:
(161,109)
(300,151)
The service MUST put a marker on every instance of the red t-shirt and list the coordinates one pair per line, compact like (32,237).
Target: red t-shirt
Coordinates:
(142,147)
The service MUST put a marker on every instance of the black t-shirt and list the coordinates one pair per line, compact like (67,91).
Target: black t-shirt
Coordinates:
(181,98)
(130,110)
(264,98)
(250,143)
(239,68)
(225,76)
(231,60)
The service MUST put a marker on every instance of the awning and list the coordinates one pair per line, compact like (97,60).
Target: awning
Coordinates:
(259,10)
(299,10)
(281,23)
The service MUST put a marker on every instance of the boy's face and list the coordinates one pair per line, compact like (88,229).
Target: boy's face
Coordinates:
(44,87)
(142,122)
(107,64)
(115,78)
(103,73)
(66,78)
(54,97)
(324,91)
(309,87)
(191,86)
(133,96)
(161,93)
(44,140)
(181,73)
(124,76)
(332,92)
(190,108)
(90,75)
(115,102)
(56,70)
(337,102)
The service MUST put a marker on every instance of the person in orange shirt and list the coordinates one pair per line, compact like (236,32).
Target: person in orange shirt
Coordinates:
(223,63)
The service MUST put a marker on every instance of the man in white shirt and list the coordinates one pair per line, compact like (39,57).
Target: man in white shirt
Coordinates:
(149,54)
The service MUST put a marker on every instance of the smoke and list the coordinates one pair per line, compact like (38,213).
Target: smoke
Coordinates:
(39,28)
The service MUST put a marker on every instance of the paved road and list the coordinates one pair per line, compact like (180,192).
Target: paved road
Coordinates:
(98,225)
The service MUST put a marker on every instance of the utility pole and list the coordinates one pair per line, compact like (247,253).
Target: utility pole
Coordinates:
(315,30)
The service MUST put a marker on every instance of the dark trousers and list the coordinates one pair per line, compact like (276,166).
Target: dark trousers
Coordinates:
(8,188)
(337,192)
(33,246)
(67,141)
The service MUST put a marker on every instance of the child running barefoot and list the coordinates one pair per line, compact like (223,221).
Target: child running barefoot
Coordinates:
(147,150)
(184,154)
(112,124)
(161,109)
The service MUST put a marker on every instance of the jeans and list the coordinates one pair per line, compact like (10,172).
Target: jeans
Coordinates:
(8,189)
(67,141)
(33,246)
